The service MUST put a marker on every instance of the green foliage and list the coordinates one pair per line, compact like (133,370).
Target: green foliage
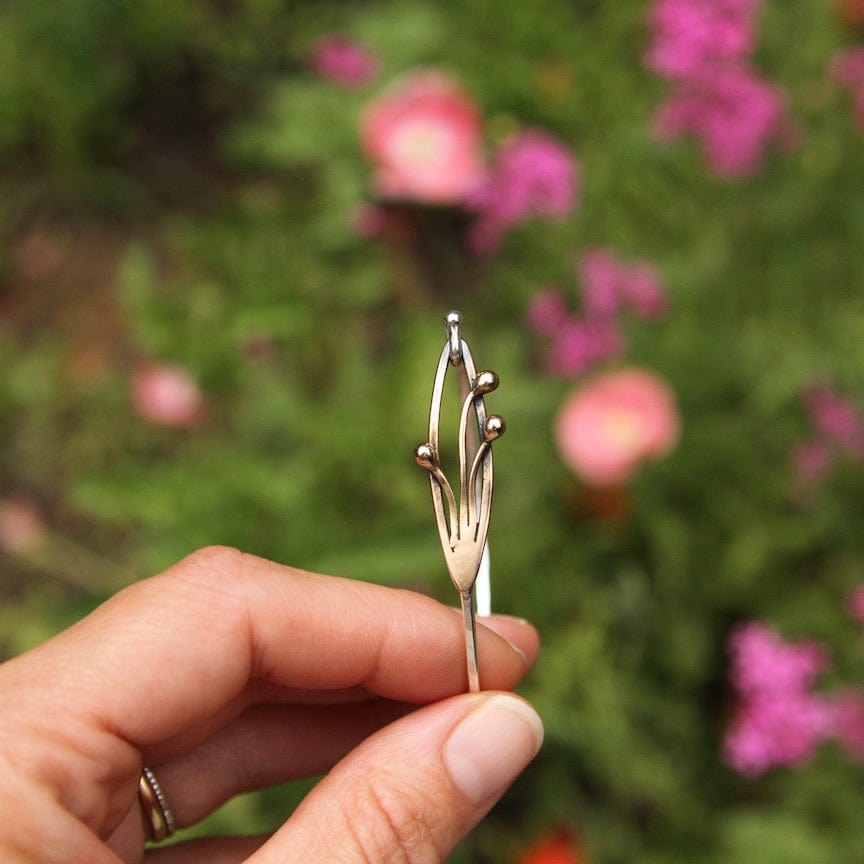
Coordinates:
(315,347)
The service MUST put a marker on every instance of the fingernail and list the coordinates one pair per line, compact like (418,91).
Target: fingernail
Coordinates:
(492,745)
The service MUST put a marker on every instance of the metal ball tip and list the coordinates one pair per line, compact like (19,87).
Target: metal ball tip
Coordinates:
(424,456)
(486,382)
(494,427)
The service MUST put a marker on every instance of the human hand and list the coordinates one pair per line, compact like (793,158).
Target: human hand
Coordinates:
(229,673)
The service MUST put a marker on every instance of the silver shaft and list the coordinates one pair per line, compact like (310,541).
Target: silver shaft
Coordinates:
(470,640)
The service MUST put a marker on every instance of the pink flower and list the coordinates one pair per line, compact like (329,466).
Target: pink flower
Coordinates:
(690,35)
(762,662)
(847,68)
(423,135)
(21,526)
(342,60)
(812,461)
(600,275)
(612,423)
(847,709)
(855,605)
(732,111)
(547,312)
(579,343)
(608,284)
(778,720)
(167,395)
(836,419)
(771,731)
(533,175)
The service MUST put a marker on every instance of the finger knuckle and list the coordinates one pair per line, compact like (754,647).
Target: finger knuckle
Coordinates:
(391,824)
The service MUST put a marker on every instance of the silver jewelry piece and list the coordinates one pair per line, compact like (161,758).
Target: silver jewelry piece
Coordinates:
(463,526)
(156,811)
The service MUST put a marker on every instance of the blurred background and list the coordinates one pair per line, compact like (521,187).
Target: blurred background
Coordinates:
(229,231)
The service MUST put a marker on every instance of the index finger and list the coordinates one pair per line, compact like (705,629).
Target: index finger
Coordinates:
(170,651)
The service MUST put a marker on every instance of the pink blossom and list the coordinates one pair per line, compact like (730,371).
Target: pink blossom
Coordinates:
(690,35)
(847,68)
(533,175)
(167,395)
(812,461)
(611,424)
(579,343)
(732,111)
(762,662)
(423,136)
(775,730)
(600,275)
(547,312)
(847,715)
(835,418)
(855,604)
(21,526)
(644,293)
(778,720)
(609,283)
(342,60)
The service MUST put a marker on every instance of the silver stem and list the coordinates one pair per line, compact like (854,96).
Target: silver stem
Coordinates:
(470,640)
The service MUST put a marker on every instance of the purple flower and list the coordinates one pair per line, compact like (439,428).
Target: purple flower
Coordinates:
(762,662)
(610,284)
(847,68)
(847,715)
(835,419)
(778,720)
(812,461)
(732,111)
(690,35)
(532,175)
(601,275)
(580,343)
(342,60)
(704,48)
(547,312)
(776,730)
(855,604)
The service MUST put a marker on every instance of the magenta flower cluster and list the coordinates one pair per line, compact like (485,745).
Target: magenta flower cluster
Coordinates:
(343,60)
(704,49)
(532,175)
(609,287)
(836,428)
(847,68)
(780,719)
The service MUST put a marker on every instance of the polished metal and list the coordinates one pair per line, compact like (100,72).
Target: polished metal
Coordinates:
(463,526)
(160,821)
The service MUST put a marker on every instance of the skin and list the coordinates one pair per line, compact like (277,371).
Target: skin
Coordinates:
(229,673)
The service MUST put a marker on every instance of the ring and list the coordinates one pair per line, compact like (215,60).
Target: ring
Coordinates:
(156,810)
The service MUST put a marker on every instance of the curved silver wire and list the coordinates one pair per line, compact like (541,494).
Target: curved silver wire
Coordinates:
(463,526)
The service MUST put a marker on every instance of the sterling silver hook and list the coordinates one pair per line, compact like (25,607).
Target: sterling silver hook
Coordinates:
(463,526)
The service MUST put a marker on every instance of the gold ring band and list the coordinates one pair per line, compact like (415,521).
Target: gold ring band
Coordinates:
(156,810)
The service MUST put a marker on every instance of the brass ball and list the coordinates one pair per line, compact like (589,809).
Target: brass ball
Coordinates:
(424,456)
(494,427)
(486,382)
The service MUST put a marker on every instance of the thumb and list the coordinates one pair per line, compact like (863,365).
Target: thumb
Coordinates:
(410,792)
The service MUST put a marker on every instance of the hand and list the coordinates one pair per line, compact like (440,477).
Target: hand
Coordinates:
(229,673)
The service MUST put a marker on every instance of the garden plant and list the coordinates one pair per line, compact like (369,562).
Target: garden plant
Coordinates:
(229,232)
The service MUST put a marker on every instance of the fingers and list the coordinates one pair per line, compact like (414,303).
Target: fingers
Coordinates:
(170,653)
(265,746)
(213,850)
(413,790)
